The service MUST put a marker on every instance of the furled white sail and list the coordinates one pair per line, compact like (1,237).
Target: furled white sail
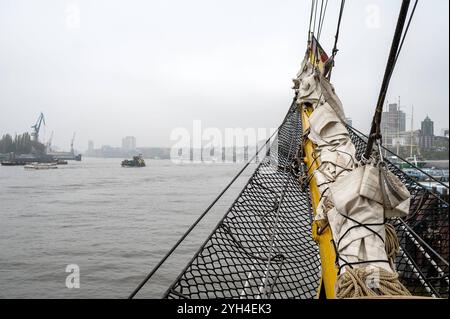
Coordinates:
(355,197)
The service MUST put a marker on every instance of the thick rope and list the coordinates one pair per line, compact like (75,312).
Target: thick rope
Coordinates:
(368,282)
(392,244)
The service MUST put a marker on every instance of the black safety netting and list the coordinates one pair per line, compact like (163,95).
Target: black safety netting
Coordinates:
(263,245)
(263,248)
(422,262)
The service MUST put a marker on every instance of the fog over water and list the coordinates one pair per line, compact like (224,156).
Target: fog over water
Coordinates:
(108,69)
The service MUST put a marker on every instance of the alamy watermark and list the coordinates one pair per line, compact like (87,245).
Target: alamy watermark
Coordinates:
(373,16)
(373,279)
(72,16)
(212,145)
(73,279)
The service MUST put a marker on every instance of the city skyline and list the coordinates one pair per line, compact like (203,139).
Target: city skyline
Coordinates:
(406,129)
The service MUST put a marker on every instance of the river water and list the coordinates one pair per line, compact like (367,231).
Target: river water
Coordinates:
(113,223)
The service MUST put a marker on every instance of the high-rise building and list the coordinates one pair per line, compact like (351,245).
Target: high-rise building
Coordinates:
(393,123)
(427,127)
(129,143)
(427,133)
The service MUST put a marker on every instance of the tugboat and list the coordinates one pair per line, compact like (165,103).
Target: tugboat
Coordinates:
(137,161)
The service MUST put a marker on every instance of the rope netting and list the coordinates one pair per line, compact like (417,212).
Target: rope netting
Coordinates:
(263,245)
(263,248)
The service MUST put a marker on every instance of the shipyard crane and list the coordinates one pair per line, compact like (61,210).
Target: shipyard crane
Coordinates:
(36,127)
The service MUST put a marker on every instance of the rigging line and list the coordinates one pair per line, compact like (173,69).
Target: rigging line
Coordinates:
(422,241)
(320,18)
(273,235)
(323,19)
(315,17)
(375,127)
(310,21)
(336,38)
(419,274)
(441,273)
(406,30)
(149,275)
(403,38)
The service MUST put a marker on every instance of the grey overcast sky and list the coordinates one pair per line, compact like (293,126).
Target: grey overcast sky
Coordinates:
(111,68)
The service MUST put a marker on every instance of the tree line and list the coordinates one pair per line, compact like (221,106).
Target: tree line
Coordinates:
(20,144)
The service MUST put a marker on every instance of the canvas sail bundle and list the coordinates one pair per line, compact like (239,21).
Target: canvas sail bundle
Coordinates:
(334,149)
(355,199)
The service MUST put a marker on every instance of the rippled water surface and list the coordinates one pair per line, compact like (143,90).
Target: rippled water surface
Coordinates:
(114,223)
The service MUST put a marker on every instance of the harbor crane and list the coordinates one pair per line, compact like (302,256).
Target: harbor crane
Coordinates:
(36,127)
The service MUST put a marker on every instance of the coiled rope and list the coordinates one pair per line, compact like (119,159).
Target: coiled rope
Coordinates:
(369,282)
(373,281)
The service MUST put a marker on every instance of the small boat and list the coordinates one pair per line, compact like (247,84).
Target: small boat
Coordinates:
(12,163)
(41,166)
(137,161)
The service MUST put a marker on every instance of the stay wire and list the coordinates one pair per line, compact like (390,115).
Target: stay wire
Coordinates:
(323,19)
(310,20)
(315,18)
(375,133)
(336,39)
(406,30)
(320,17)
